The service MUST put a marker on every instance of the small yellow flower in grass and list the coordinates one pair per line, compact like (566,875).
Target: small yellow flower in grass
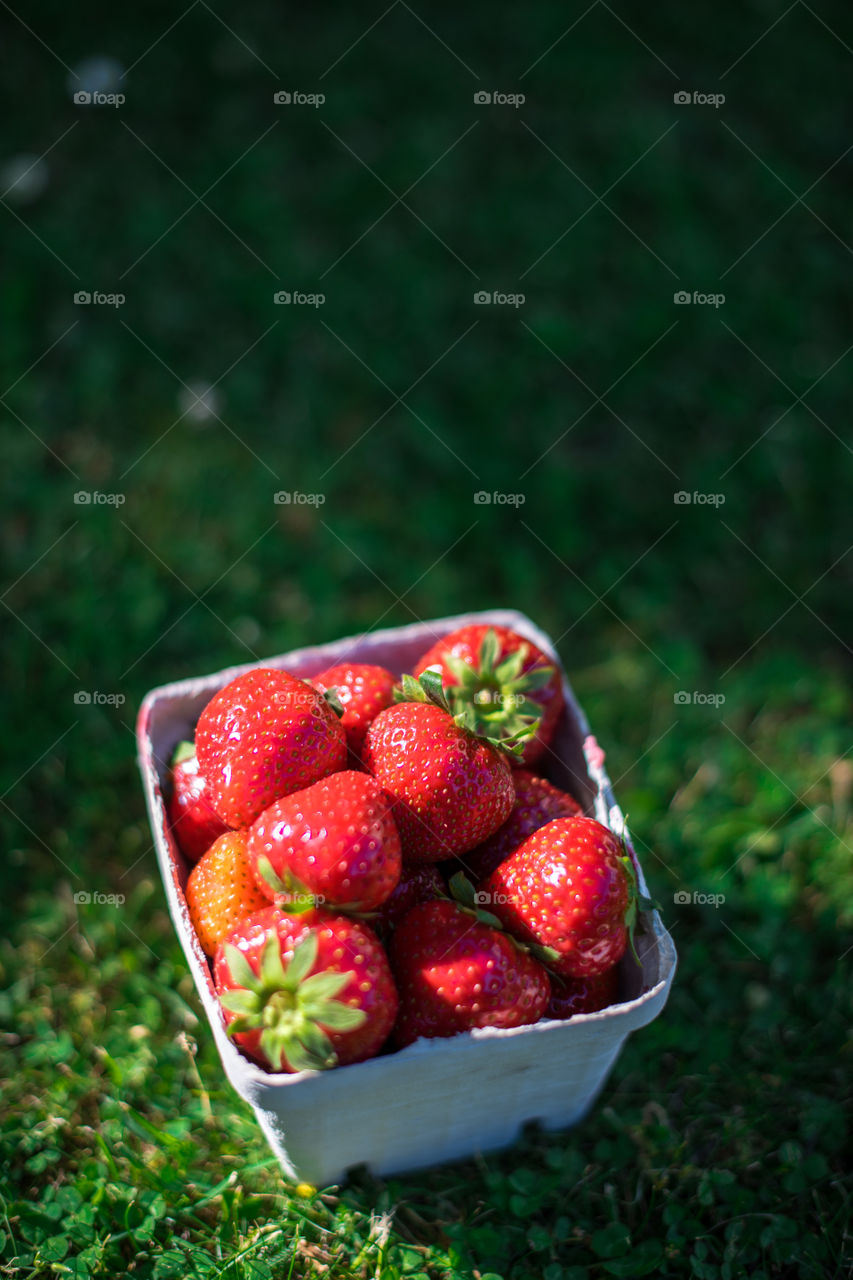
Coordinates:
(305,1190)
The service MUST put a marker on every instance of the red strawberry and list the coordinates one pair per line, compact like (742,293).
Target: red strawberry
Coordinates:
(263,736)
(335,841)
(506,680)
(305,992)
(583,995)
(455,973)
(419,882)
(537,802)
(567,888)
(194,824)
(450,789)
(222,890)
(363,691)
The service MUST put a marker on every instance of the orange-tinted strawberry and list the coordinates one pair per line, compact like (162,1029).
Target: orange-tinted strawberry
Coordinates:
(194,824)
(334,842)
(263,736)
(454,973)
(505,680)
(537,802)
(567,888)
(222,890)
(363,691)
(305,992)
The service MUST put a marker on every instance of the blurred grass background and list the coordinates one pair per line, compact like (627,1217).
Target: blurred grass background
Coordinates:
(717,1148)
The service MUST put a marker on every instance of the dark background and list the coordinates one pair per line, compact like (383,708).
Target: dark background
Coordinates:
(716,1148)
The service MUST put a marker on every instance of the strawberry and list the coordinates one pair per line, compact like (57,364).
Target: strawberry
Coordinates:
(194,824)
(363,691)
(222,890)
(537,801)
(449,788)
(263,736)
(335,842)
(583,995)
(419,882)
(568,889)
(455,972)
(505,680)
(305,992)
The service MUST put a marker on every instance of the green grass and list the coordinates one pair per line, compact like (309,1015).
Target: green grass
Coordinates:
(716,1149)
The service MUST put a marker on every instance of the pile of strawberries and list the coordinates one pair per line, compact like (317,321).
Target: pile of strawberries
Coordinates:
(377,860)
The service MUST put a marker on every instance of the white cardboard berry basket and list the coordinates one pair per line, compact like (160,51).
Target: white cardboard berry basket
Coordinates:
(436,1100)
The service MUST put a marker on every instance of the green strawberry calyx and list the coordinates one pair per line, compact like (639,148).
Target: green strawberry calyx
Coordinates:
(289,892)
(473,902)
(495,709)
(469,899)
(332,699)
(293,895)
(183,751)
(293,1011)
(496,691)
(637,901)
